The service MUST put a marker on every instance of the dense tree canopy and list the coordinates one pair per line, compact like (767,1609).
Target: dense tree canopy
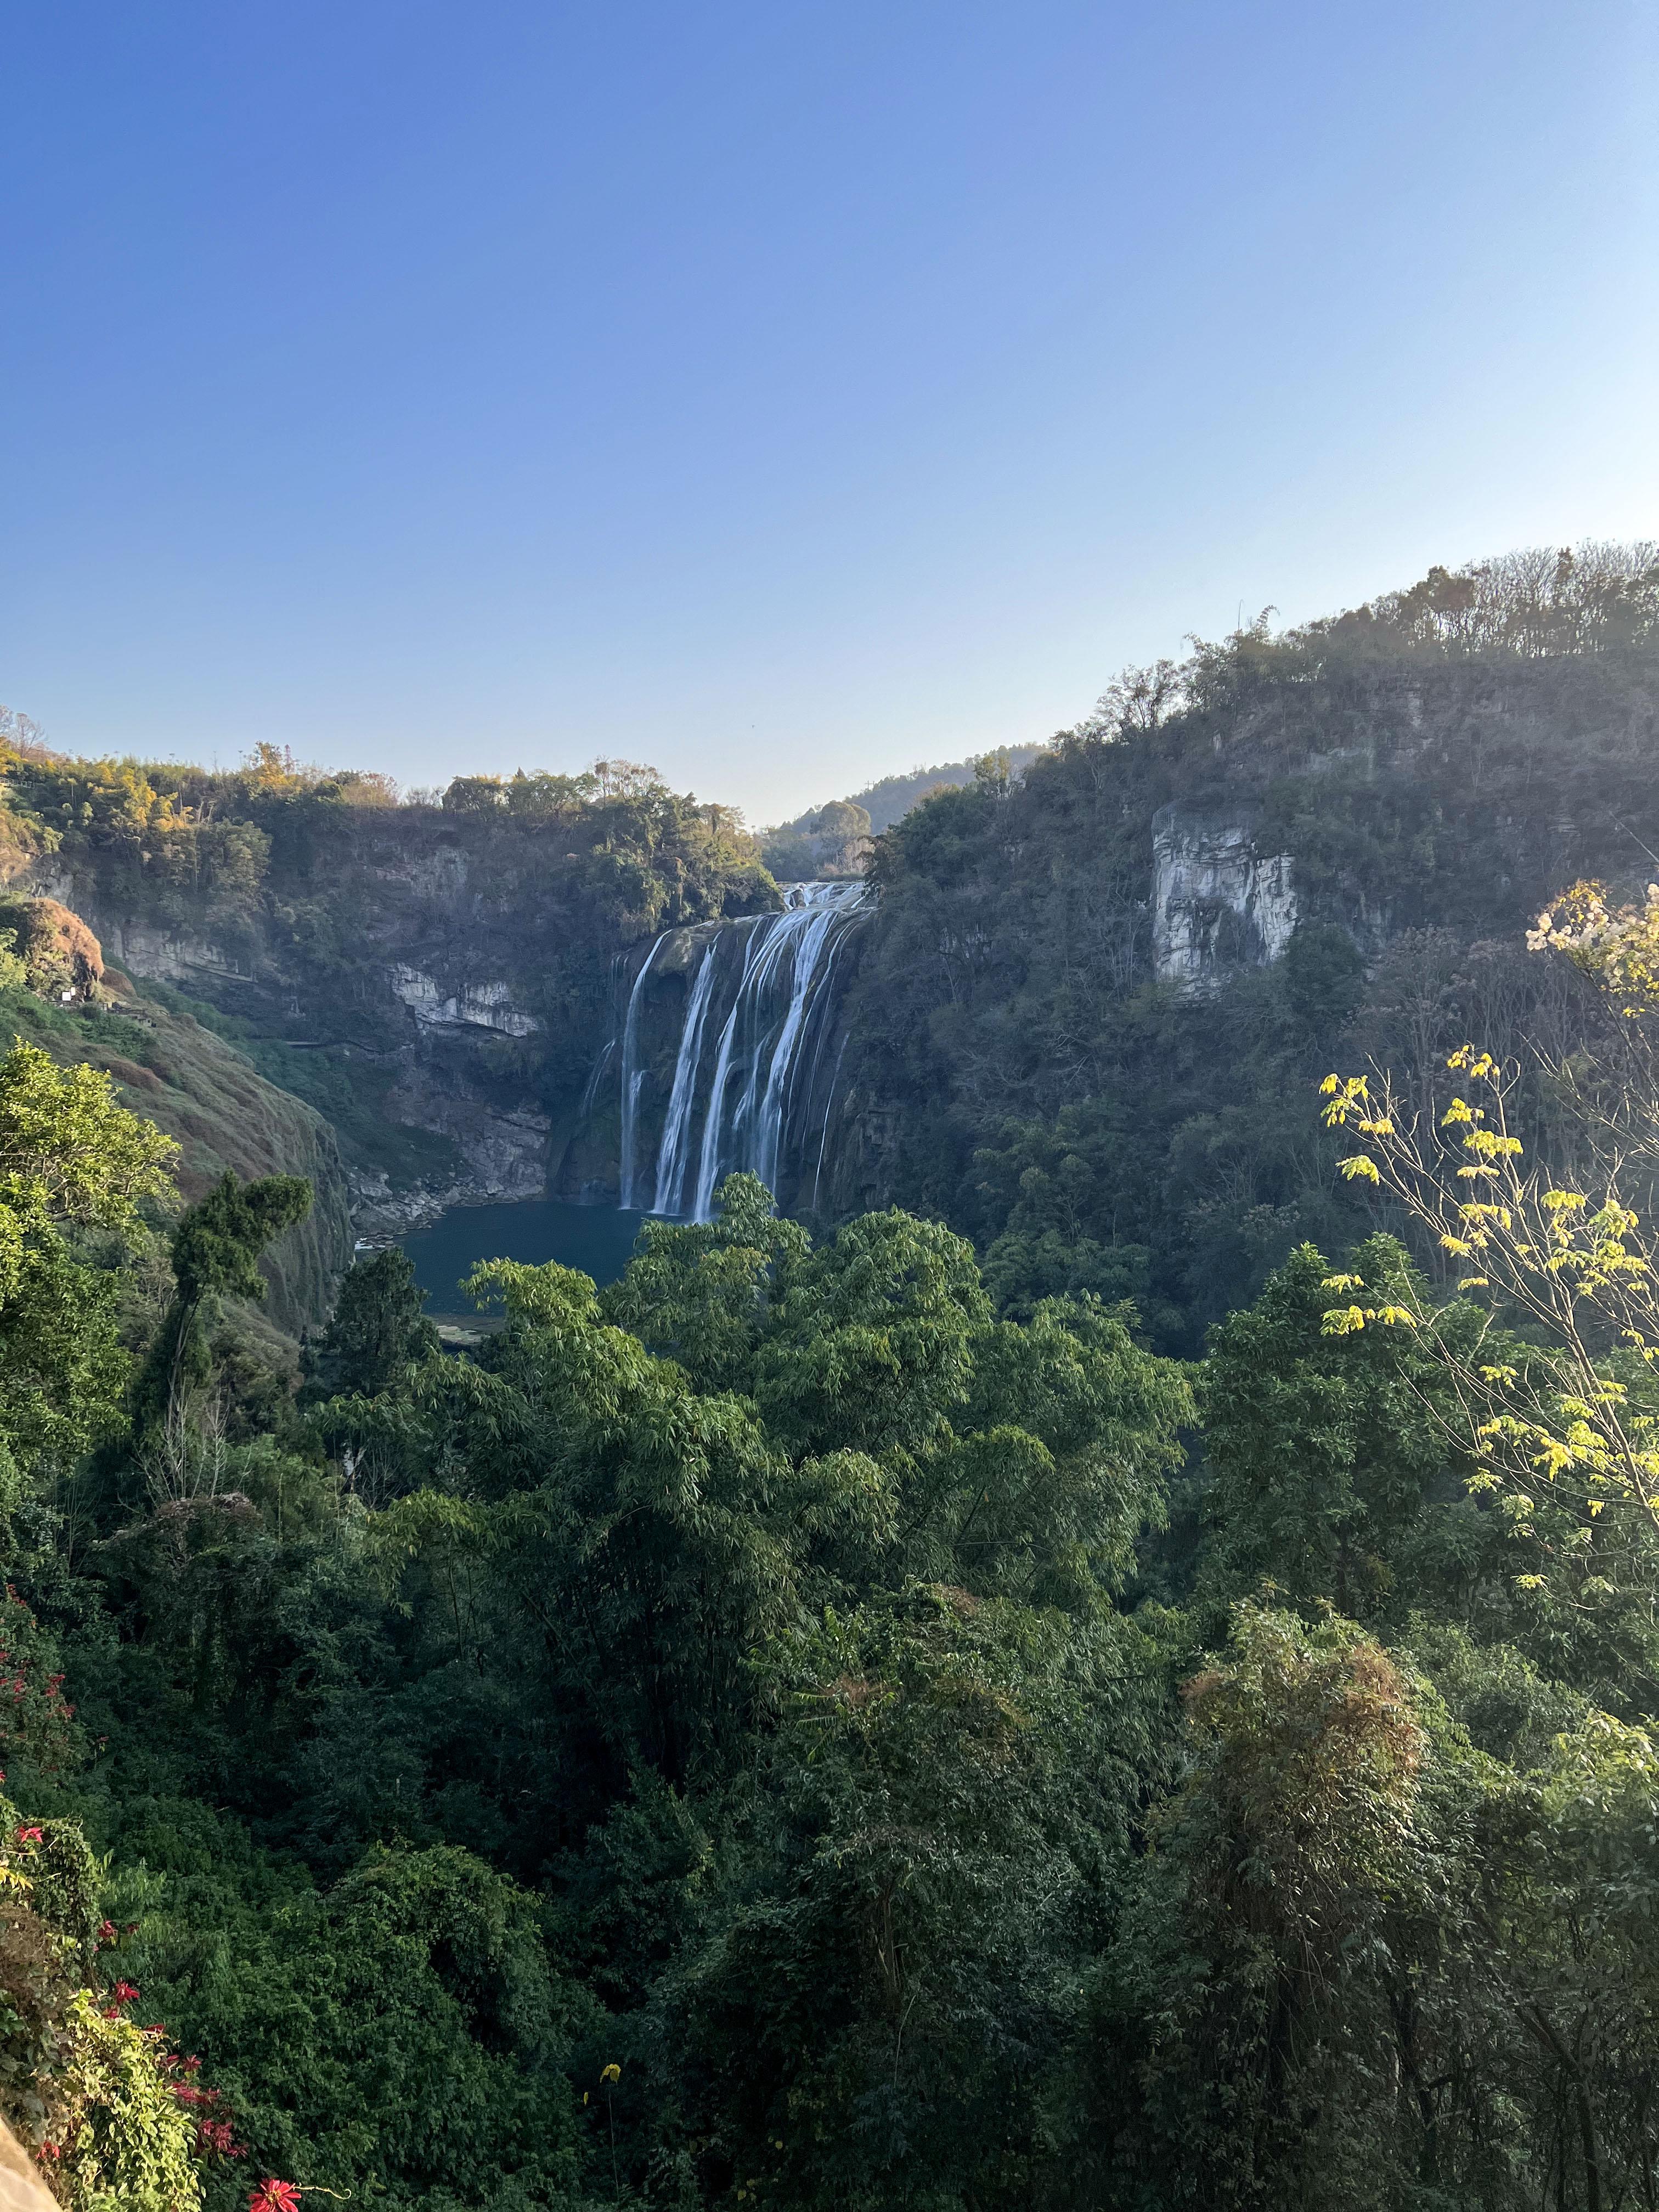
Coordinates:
(713,1745)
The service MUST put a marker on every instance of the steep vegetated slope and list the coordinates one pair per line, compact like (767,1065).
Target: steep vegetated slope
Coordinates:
(57,994)
(1096,1000)
(225,1117)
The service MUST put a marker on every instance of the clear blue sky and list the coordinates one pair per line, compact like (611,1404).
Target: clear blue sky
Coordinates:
(782,393)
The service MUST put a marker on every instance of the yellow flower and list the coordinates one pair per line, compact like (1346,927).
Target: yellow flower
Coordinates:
(612,2074)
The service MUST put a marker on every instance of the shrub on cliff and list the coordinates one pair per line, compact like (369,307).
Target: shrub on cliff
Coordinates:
(59,953)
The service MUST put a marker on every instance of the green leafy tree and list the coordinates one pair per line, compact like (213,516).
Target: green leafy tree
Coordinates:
(593,1546)
(72,1160)
(887,1977)
(216,1251)
(1333,1477)
(376,1329)
(401,2035)
(1226,2064)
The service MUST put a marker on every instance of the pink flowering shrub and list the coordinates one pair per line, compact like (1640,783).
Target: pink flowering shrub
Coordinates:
(116,2115)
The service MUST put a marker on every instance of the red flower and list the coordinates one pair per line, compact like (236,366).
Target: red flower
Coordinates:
(50,2150)
(124,1992)
(31,1836)
(106,1928)
(216,2135)
(275,2197)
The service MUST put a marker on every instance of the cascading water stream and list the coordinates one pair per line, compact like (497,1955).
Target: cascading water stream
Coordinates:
(633,1077)
(796,941)
(751,1044)
(670,1152)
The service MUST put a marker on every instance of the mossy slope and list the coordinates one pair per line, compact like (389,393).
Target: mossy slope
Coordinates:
(202,1090)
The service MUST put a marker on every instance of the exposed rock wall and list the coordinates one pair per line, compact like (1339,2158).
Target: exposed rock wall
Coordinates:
(1218,903)
(441,1044)
(487,1006)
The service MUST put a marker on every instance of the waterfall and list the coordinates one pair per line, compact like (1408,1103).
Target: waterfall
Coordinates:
(670,1153)
(792,944)
(633,1077)
(747,1070)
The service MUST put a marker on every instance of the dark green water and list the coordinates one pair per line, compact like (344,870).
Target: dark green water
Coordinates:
(598,1239)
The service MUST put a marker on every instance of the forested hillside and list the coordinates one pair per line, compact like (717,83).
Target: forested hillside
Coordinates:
(1095,996)
(1127,1682)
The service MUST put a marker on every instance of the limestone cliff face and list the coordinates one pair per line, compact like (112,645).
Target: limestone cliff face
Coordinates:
(1218,903)
(160,954)
(483,1006)
(428,1022)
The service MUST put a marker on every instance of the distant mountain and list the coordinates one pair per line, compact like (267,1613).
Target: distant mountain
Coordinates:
(895,795)
(832,840)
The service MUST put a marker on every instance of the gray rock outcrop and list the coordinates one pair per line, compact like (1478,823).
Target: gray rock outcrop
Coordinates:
(1219,903)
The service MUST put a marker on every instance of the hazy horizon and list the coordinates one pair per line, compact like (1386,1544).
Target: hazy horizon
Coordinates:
(784,396)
